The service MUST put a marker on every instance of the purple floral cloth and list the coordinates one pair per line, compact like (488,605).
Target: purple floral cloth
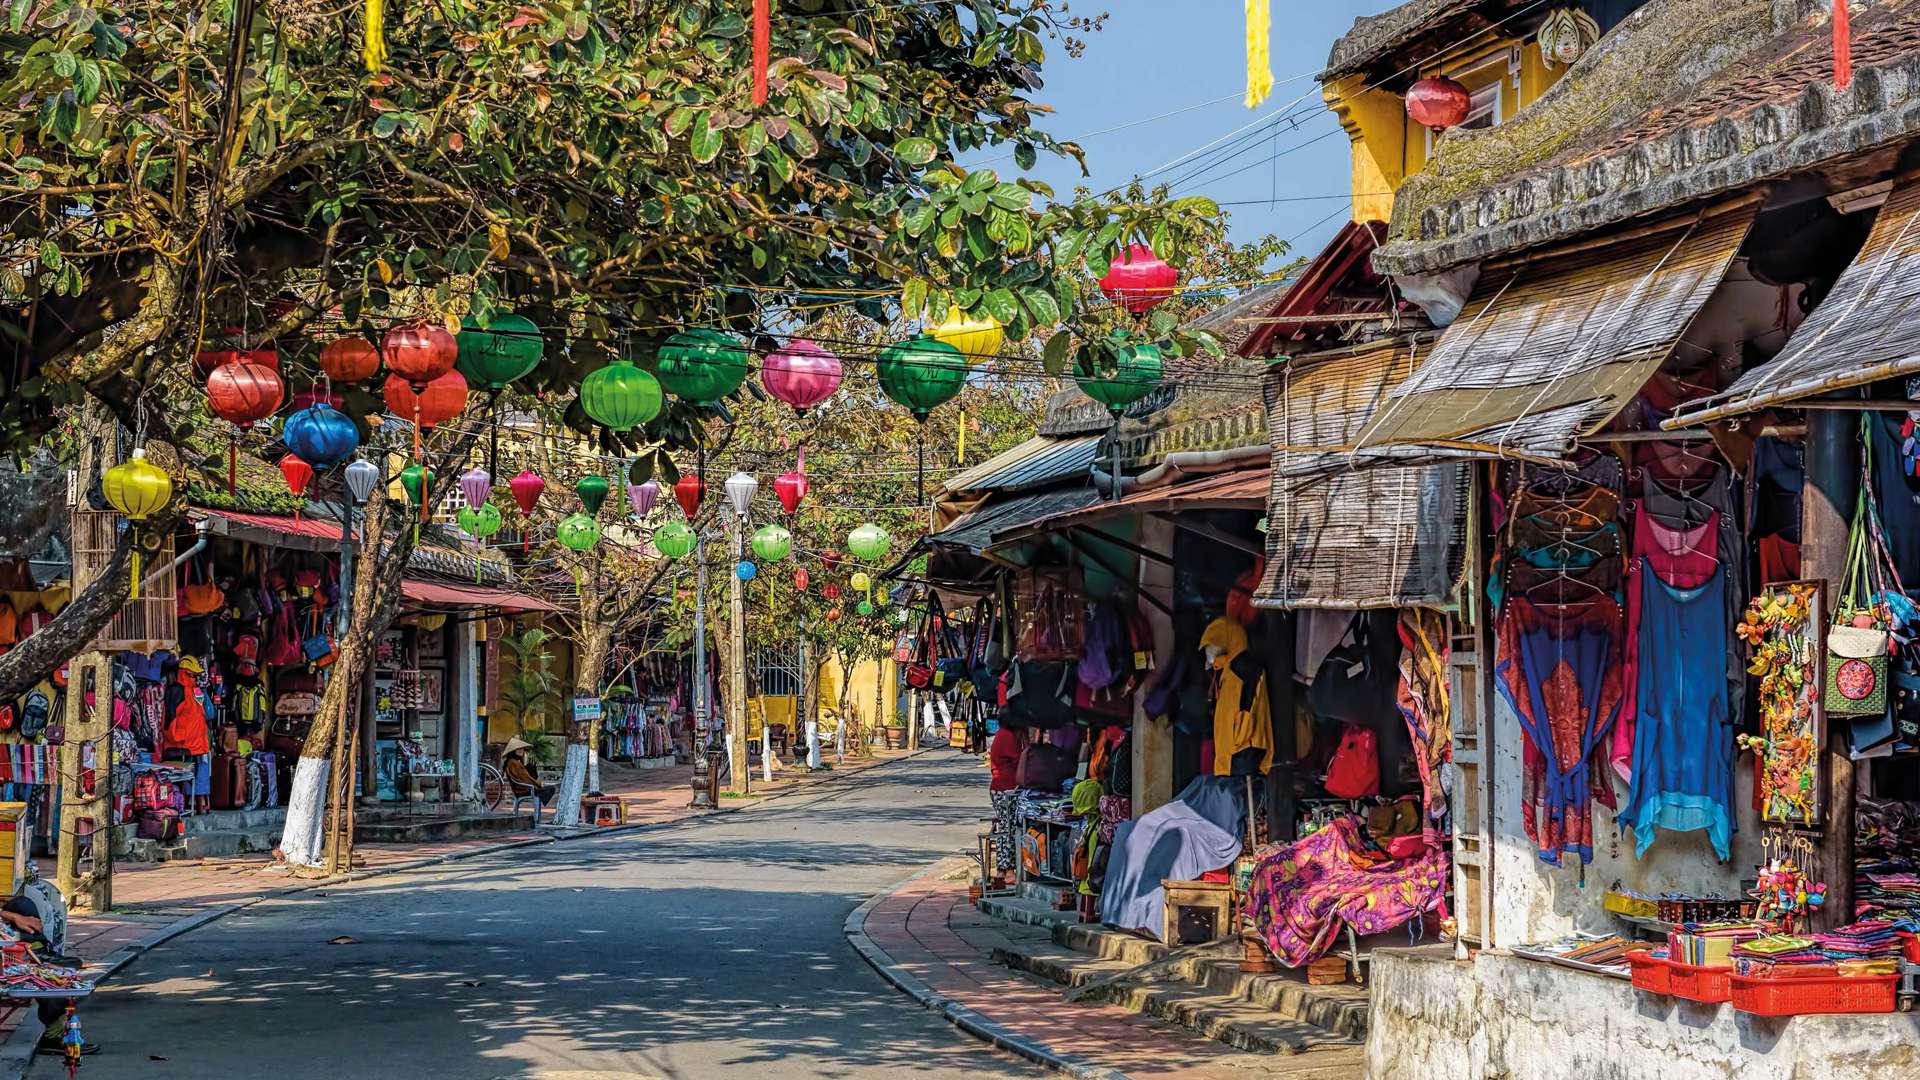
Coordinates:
(1302,893)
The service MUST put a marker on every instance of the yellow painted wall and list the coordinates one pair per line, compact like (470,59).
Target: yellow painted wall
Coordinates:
(864,701)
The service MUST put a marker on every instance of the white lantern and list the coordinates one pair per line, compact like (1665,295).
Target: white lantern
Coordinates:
(741,488)
(361,476)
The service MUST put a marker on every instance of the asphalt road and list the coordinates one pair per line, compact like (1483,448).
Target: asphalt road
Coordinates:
(712,948)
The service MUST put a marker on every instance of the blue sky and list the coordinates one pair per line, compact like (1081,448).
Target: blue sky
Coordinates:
(1159,56)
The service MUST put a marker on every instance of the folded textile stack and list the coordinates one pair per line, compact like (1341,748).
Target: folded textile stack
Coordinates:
(1860,941)
(1779,956)
(1888,889)
(1886,845)
(1709,944)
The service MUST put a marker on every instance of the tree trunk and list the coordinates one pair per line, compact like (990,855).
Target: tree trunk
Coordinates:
(595,642)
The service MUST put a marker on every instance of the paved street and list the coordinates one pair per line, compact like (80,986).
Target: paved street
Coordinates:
(712,948)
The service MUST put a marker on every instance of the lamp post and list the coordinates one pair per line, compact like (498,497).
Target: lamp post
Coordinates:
(706,781)
(741,488)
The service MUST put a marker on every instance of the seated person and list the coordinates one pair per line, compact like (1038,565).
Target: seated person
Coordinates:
(516,763)
(23,917)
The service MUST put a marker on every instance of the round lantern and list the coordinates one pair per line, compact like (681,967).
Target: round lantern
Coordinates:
(592,489)
(298,473)
(138,489)
(833,614)
(418,481)
(322,436)
(869,542)
(800,579)
(361,475)
(243,392)
(922,373)
(772,543)
(860,581)
(621,396)
(1439,104)
(578,532)
(642,497)
(978,340)
(440,400)
(745,570)
(674,539)
(500,354)
(741,488)
(688,491)
(863,608)
(790,487)
(830,591)
(476,486)
(1138,372)
(801,374)
(702,365)
(314,395)
(526,490)
(349,359)
(479,521)
(420,354)
(207,361)
(1139,280)
(831,559)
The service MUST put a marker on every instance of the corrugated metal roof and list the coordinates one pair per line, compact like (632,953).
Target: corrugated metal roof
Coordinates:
(976,530)
(1241,489)
(1036,462)
(1553,348)
(1867,329)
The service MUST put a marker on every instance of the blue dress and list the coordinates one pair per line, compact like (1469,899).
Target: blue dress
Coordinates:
(1683,741)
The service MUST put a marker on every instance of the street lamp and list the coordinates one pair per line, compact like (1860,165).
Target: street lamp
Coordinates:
(360,475)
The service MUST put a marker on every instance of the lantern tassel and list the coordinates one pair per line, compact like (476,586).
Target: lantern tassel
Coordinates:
(960,450)
(233,466)
(762,45)
(374,49)
(1842,45)
(133,588)
(1259,43)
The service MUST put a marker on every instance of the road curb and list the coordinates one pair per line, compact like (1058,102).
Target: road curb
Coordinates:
(17,1051)
(972,1022)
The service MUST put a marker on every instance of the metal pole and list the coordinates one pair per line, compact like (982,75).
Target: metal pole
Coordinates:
(705,780)
(742,779)
(810,701)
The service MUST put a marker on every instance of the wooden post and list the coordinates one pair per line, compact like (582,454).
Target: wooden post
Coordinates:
(84,813)
(1280,627)
(1826,516)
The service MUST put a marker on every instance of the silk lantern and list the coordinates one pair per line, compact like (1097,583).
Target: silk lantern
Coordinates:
(802,374)
(208,361)
(322,435)
(417,480)
(864,607)
(242,393)
(526,490)
(688,491)
(297,473)
(741,488)
(674,539)
(1138,280)
(745,570)
(869,542)
(138,489)
(922,373)
(361,475)
(702,365)
(1137,371)
(790,487)
(438,401)
(578,532)
(978,339)
(621,396)
(800,578)
(1439,104)
(592,489)
(313,395)
(771,543)
(349,359)
(643,497)
(480,521)
(861,581)
(830,591)
(476,486)
(833,614)
(420,354)
(501,353)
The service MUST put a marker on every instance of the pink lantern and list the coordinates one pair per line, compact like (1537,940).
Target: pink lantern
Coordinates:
(802,374)
(790,487)
(526,490)
(643,496)
(1139,280)
(1439,104)
(476,484)
(800,579)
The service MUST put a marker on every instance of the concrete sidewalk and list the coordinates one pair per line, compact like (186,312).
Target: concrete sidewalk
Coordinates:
(154,903)
(930,942)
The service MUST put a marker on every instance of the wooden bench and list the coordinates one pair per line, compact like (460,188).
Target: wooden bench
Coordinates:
(1197,911)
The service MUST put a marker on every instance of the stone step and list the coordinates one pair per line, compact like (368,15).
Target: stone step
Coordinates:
(223,820)
(386,829)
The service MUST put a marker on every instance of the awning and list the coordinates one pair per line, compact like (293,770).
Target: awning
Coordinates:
(1242,489)
(1318,405)
(1867,328)
(977,529)
(1549,350)
(1035,463)
(272,530)
(470,597)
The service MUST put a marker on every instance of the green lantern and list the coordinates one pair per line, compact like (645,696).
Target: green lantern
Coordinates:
(578,532)
(501,353)
(674,539)
(621,396)
(592,490)
(480,522)
(772,543)
(922,373)
(702,365)
(1137,371)
(869,542)
(864,608)
(417,480)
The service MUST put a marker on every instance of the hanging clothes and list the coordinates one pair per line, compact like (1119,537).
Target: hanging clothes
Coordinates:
(1424,704)
(1559,669)
(1684,558)
(1241,720)
(1683,741)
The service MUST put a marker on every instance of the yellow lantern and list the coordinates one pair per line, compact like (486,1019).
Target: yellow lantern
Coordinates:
(861,582)
(977,339)
(138,489)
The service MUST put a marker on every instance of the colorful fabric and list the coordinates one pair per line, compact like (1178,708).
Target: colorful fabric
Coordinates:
(1240,720)
(1114,809)
(1304,892)
(1559,670)
(1006,804)
(1423,702)
(1683,741)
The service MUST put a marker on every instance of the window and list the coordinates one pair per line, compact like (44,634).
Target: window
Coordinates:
(1485,109)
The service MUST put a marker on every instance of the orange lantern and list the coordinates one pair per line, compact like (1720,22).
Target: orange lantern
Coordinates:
(349,359)
(420,354)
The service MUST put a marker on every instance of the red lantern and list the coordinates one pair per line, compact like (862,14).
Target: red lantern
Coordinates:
(298,473)
(833,614)
(1139,280)
(420,354)
(441,399)
(349,359)
(831,590)
(688,491)
(314,395)
(211,360)
(790,487)
(1439,103)
(800,579)
(243,392)
(831,559)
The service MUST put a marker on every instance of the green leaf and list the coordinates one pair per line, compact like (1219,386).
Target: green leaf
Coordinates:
(64,64)
(1024,155)
(980,180)
(642,468)
(679,120)
(801,142)
(1195,204)
(1000,304)
(386,124)
(17,14)
(1069,247)
(728,25)
(1011,197)
(89,81)
(1054,356)
(753,139)
(979,244)
(913,298)
(50,255)
(706,141)
(915,151)
(918,219)
(1041,305)
(1162,321)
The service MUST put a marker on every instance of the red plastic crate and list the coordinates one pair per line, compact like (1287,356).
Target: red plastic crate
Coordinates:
(1910,945)
(1800,997)
(1708,984)
(1651,973)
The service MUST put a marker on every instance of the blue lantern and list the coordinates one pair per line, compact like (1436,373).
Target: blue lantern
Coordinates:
(321,435)
(745,571)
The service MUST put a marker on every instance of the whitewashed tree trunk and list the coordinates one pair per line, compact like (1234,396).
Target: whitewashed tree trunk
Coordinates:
(566,801)
(302,842)
(813,743)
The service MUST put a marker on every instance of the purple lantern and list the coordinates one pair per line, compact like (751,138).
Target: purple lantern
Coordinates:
(643,496)
(477,485)
(802,374)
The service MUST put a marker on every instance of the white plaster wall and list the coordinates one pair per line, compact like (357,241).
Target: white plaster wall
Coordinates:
(1499,1017)
(1536,902)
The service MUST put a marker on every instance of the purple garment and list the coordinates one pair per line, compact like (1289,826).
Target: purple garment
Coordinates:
(1303,893)
(1066,737)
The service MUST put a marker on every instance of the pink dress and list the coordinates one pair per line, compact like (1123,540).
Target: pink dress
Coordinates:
(1684,559)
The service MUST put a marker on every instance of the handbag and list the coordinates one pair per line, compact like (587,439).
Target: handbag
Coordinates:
(1354,772)
(200,597)
(317,646)
(283,644)
(1857,656)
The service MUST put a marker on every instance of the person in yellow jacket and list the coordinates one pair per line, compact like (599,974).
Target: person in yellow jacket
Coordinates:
(1241,719)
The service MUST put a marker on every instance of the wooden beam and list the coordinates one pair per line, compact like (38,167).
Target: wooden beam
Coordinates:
(1124,578)
(1218,536)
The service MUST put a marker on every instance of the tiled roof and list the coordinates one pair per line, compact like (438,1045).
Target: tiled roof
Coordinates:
(1685,100)
(1373,36)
